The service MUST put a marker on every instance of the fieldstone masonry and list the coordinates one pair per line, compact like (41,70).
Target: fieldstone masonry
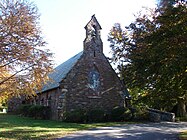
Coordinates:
(92,83)
(157,115)
(86,81)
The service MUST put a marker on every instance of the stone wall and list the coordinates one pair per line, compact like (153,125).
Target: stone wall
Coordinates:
(49,98)
(157,115)
(81,94)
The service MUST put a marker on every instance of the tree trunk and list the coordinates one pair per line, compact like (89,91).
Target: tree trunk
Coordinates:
(181,108)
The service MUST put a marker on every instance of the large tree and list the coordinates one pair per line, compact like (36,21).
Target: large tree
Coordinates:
(154,48)
(24,61)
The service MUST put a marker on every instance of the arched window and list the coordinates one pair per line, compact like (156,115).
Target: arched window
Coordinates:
(42,101)
(94,80)
(49,101)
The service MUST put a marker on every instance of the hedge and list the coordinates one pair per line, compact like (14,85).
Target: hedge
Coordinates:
(35,111)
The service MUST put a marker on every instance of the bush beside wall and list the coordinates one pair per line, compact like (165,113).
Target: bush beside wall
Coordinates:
(98,115)
(76,116)
(24,110)
(140,114)
(35,111)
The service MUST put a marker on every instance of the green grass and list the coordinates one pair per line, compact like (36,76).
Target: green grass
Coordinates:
(183,135)
(13,127)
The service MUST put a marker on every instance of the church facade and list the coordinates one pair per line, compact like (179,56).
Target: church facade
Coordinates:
(85,81)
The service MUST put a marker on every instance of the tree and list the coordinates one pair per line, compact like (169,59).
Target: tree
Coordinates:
(24,62)
(165,3)
(155,49)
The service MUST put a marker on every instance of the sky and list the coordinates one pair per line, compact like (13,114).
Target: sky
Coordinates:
(62,22)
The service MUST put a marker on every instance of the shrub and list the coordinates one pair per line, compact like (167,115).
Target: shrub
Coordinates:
(120,114)
(183,119)
(83,116)
(96,115)
(154,117)
(127,115)
(24,110)
(35,111)
(117,113)
(76,116)
(140,114)
(39,112)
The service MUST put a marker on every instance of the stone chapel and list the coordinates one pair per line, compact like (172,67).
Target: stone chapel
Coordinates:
(85,81)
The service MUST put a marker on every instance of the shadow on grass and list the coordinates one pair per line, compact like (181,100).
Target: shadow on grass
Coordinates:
(14,120)
(15,127)
(21,134)
(7,120)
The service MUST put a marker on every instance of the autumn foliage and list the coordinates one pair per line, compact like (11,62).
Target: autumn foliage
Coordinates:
(24,61)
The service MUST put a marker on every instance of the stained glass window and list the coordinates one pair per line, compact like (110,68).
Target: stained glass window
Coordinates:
(94,80)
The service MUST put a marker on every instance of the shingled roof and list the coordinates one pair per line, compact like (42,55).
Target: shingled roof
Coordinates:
(60,72)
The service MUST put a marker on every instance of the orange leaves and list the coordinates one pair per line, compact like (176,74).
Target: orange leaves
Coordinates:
(24,64)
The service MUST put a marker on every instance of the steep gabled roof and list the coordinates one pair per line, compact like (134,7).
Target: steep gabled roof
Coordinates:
(60,72)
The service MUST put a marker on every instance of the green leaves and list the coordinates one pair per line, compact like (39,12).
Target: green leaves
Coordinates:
(156,49)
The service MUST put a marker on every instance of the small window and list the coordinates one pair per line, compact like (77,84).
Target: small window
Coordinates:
(42,102)
(49,101)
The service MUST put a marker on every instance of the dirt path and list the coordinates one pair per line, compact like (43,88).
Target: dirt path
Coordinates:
(148,131)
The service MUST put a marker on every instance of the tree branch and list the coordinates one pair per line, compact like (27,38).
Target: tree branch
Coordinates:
(3,81)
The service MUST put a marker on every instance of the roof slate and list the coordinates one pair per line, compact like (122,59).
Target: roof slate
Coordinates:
(60,72)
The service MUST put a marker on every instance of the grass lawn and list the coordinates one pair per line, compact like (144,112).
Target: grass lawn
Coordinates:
(14,127)
(183,135)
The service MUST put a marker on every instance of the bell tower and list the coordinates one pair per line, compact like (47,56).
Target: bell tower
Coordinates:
(93,42)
